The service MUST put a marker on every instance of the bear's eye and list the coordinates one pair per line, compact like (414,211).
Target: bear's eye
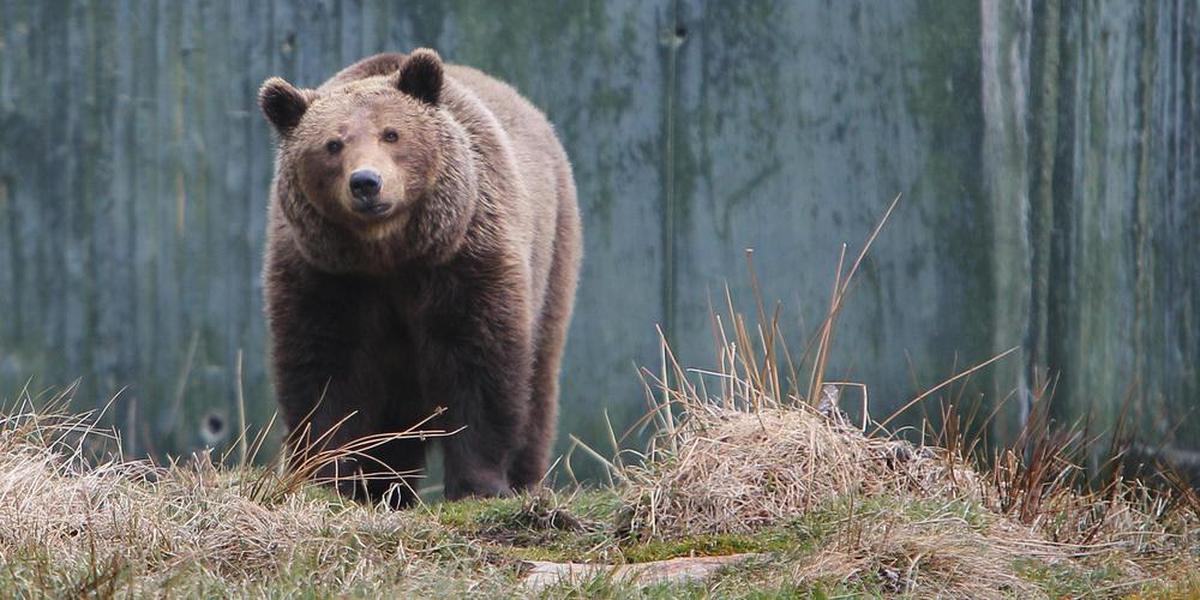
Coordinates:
(333,146)
(390,136)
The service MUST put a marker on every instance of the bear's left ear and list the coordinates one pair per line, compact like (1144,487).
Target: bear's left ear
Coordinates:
(421,76)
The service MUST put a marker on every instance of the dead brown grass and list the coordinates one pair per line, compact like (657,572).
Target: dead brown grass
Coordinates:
(941,555)
(735,471)
(926,520)
(78,520)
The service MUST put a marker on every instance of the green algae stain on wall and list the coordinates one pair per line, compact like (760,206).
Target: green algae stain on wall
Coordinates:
(946,102)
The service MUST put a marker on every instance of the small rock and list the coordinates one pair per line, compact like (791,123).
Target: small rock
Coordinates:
(892,580)
(675,570)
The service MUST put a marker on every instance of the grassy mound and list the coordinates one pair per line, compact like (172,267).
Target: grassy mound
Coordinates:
(733,471)
(863,514)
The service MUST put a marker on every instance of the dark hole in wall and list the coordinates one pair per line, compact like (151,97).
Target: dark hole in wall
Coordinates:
(212,428)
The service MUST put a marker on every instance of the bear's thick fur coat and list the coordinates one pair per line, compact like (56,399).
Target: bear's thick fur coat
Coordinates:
(423,247)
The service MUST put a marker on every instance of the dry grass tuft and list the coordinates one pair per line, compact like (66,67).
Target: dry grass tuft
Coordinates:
(929,520)
(733,471)
(74,523)
(758,451)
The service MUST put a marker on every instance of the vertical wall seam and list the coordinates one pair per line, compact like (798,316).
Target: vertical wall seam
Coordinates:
(1143,293)
(1043,138)
(671,41)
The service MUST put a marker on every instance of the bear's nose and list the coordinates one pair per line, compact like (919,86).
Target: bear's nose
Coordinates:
(365,183)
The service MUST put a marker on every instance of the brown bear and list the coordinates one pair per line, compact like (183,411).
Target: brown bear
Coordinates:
(423,246)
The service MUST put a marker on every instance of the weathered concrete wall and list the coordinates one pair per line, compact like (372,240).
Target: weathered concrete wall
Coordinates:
(1091,162)
(1046,153)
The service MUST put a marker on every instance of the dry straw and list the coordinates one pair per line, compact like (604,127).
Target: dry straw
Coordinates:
(78,519)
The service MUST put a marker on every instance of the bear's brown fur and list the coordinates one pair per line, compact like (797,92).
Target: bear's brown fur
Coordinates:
(446,277)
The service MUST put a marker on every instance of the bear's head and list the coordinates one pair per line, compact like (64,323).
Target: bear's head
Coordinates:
(373,171)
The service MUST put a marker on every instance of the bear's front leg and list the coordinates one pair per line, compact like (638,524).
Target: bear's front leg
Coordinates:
(477,362)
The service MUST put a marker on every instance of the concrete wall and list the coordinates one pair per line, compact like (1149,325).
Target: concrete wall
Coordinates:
(1047,155)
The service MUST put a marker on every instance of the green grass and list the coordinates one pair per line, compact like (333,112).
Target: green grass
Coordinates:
(505,527)
(1072,580)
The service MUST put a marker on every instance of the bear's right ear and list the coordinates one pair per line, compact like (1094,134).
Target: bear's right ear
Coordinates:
(282,103)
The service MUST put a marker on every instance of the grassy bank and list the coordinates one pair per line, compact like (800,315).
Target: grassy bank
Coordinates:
(815,508)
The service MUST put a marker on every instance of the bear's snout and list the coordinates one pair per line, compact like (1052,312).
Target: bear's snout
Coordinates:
(365,185)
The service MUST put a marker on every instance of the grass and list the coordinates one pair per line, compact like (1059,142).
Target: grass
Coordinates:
(753,458)
(73,523)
